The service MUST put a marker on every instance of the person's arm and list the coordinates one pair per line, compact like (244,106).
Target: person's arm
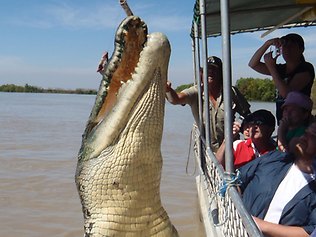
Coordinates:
(173,97)
(104,60)
(282,130)
(220,154)
(298,82)
(272,68)
(276,230)
(255,62)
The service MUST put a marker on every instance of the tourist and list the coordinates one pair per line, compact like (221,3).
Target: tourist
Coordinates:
(279,188)
(215,88)
(245,129)
(296,115)
(261,126)
(103,62)
(295,75)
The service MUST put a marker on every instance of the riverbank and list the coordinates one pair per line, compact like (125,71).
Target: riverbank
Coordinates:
(34,89)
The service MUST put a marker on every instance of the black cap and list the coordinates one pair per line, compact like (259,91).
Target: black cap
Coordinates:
(214,61)
(296,38)
(261,117)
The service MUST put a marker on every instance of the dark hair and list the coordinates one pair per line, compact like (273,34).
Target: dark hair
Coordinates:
(295,38)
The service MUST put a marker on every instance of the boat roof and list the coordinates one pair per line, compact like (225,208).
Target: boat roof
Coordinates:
(257,15)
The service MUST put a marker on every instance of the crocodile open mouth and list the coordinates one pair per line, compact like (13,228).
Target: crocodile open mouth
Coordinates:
(119,163)
(130,40)
(129,43)
(136,60)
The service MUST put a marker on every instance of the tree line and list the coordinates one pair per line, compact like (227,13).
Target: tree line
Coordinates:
(34,89)
(254,89)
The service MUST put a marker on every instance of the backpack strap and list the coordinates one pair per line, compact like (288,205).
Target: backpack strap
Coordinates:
(241,104)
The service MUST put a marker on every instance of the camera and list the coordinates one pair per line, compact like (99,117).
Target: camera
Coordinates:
(276,51)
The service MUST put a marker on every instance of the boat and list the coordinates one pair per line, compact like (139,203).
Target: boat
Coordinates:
(221,207)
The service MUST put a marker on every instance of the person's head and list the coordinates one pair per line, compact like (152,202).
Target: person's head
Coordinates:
(262,125)
(214,70)
(297,108)
(305,146)
(245,127)
(292,47)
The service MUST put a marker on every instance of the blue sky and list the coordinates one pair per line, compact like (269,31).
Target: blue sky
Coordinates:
(58,43)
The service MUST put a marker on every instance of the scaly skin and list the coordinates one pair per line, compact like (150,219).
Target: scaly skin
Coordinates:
(119,163)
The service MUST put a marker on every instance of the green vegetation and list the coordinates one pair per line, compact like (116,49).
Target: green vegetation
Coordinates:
(33,89)
(182,87)
(255,89)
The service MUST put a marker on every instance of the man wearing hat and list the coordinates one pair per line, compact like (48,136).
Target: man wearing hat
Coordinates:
(295,75)
(296,115)
(215,86)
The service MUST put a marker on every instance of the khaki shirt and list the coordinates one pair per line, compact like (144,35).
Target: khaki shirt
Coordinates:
(217,115)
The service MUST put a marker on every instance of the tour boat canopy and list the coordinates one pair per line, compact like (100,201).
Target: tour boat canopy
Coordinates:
(224,17)
(258,15)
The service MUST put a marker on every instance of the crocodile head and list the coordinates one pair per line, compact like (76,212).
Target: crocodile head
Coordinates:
(119,162)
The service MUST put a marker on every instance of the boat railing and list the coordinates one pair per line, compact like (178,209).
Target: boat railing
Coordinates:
(224,213)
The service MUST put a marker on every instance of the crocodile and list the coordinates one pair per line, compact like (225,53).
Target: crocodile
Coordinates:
(119,162)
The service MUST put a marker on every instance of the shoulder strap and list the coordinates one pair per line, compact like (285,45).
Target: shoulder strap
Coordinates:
(242,105)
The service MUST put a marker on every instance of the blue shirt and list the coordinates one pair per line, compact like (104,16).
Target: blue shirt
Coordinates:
(260,180)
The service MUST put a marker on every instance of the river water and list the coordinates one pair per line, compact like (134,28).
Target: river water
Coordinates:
(39,141)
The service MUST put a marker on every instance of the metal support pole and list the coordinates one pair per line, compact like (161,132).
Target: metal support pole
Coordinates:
(205,84)
(198,77)
(198,82)
(227,84)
